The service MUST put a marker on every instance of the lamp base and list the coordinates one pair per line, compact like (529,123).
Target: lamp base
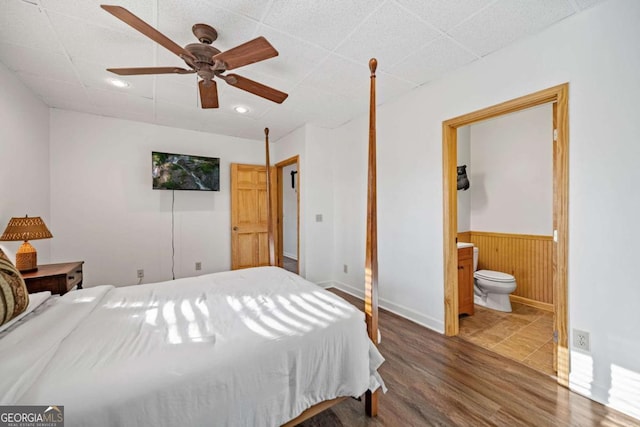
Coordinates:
(26,258)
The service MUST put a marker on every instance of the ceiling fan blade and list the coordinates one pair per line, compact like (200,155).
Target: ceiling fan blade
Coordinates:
(149,70)
(256,88)
(208,94)
(129,18)
(252,51)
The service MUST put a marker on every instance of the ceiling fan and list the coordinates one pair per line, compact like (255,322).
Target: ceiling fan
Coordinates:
(204,59)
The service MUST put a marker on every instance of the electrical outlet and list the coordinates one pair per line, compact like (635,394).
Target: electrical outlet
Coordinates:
(198,266)
(345,268)
(581,340)
(140,274)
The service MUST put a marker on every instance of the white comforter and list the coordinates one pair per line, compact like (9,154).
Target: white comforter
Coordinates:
(253,347)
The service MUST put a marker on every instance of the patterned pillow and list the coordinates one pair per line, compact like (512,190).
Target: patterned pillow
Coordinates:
(14,297)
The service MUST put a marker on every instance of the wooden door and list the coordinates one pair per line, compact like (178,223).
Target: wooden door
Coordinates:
(249,239)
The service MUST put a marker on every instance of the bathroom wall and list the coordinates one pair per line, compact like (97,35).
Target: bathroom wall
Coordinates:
(290,213)
(512,176)
(464,197)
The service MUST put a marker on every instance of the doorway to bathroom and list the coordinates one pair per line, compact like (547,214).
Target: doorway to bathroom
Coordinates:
(553,308)
(288,214)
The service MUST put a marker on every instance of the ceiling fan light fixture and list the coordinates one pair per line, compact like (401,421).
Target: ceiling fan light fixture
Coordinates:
(241,109)
(119,83)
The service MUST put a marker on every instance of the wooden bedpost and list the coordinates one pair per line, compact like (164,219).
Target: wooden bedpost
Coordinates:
(371,257)
(272,251)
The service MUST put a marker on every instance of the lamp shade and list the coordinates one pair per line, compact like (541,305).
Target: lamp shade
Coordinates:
(26,228)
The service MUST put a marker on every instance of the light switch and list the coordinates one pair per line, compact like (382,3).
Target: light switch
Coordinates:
(318,217)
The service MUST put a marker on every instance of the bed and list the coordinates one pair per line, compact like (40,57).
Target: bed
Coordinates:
(252,347)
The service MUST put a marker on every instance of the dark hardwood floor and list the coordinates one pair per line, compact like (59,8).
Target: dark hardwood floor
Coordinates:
(290,264)
(438,381)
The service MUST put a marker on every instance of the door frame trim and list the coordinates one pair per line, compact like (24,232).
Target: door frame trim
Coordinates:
(280,209)
(560,96)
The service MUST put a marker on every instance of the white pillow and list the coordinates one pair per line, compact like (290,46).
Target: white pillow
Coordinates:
(34,301)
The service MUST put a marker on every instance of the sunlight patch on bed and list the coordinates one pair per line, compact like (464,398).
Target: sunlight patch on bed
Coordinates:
(327,306)
(311,309)
(284,318)
(334,300)
(83,299)
(288,305)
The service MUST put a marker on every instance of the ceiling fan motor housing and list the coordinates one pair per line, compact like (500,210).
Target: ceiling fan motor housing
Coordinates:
(205,33)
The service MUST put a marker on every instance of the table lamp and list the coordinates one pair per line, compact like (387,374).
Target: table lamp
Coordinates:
(26,228)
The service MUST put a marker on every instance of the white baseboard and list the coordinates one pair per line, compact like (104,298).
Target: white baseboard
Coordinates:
(292,256)
(326,284)
(400,310)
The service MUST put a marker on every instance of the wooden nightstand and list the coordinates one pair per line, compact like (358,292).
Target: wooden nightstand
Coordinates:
(57,278)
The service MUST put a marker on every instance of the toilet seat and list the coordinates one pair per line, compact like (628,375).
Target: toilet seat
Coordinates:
(494,276)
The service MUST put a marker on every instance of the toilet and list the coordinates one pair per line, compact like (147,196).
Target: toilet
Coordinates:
(492,288)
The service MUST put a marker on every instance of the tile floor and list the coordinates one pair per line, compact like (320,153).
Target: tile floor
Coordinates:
(525,334)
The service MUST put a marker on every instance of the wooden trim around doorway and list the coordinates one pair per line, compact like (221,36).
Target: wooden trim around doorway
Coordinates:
(559,95)
(280,209)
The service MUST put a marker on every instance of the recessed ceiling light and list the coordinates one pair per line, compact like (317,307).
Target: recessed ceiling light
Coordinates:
(240,109)
(119,83)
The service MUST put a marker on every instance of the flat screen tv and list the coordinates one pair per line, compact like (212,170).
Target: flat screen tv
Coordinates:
(185,172)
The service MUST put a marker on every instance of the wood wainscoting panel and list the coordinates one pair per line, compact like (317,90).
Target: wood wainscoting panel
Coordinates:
(464,236)
(527,257)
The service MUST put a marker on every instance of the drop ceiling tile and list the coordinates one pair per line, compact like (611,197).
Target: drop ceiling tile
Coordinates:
(92,43)
(254,9)
(282,121)
(96,76)
(507,20)
(54,89)
(119,113)
(233,123)
(389,87)
(90,10)
(326,109)
(585,4)
(444,14)
(121,101)
(176,92)
(390,34)
(176,20)
(340,76)
(434,60)
(45,63)
(295,60)
(324,23)
(169,114)
(82,107)
(27,25)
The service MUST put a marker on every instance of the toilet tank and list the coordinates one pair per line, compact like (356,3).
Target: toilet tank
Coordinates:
(475,258)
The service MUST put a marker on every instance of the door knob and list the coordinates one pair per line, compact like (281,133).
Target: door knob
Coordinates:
(235,228)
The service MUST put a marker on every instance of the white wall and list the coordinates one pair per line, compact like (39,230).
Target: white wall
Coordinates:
(512,177)
(24,150)
(294,144)
(464,196)
(313,145)
(106,213)
(595,51)
(290,212)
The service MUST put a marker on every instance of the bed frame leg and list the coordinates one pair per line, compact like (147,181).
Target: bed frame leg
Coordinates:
(371,403)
